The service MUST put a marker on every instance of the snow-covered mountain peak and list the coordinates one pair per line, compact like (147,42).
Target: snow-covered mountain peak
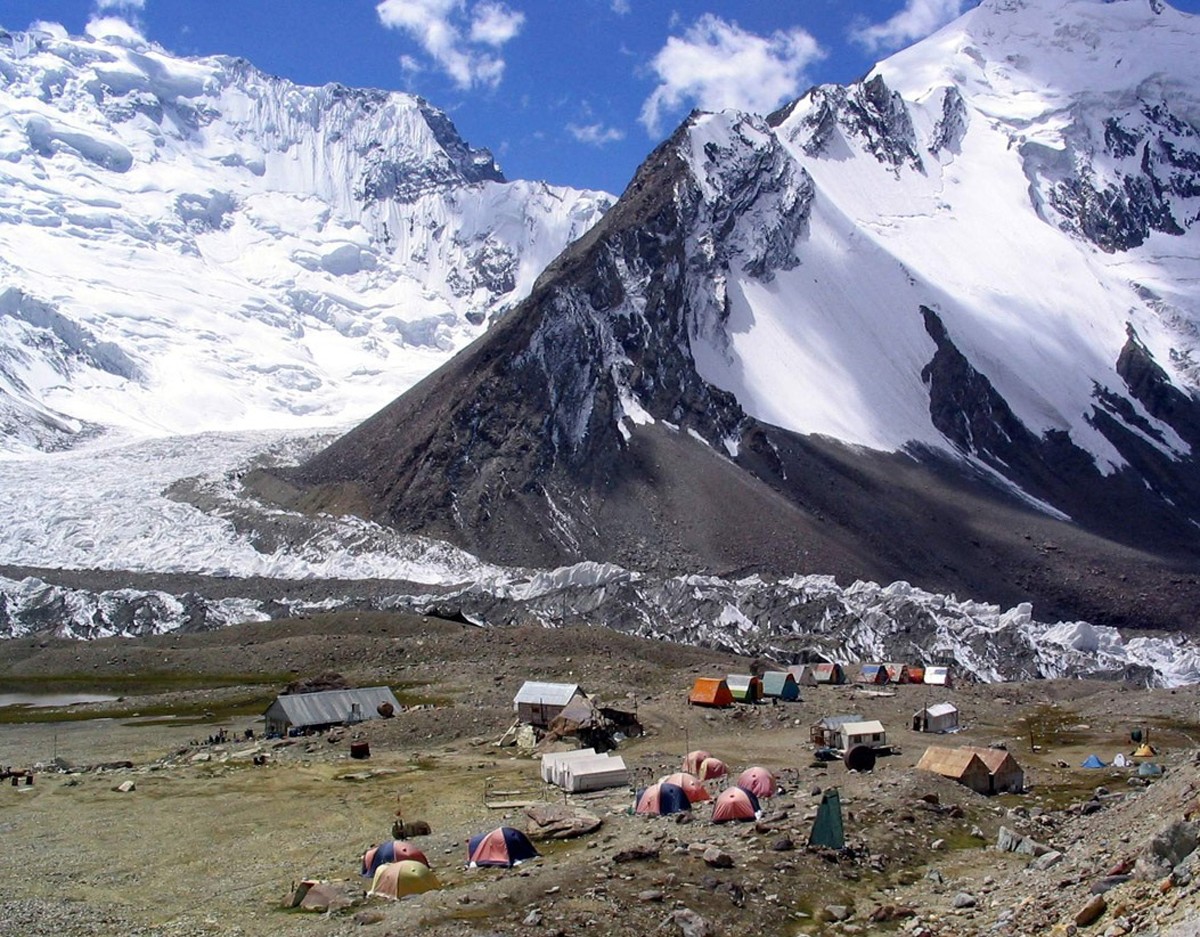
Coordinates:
(262,253)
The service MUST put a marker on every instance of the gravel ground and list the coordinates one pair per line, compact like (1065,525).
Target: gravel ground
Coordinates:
(207,843)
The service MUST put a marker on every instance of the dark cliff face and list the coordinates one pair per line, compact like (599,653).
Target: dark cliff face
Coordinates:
(530,448)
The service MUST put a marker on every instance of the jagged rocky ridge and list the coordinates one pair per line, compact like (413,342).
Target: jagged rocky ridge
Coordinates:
(189,244)
(803,618)
(898,265)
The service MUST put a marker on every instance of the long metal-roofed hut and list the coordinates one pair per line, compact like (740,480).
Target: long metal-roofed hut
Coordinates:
(315,712)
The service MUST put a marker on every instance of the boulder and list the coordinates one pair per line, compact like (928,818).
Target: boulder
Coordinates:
(1090,912)
(559,821)
(690,923)
(636,854)
(718,858)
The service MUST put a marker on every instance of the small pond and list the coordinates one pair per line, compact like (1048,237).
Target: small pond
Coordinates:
(53,699)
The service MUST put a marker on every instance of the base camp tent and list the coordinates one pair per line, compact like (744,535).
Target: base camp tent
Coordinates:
(691,785)
(779,684)
(827,829)
(1093,761)
(396,850)
(712,768)
(758,781)
(503,846)
(735,803)
(873,674)
(692,761)
(661,799)
(398,879)
(744,687)
(710,691)
(803,674)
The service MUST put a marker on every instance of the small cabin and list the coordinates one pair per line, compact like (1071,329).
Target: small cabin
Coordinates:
(870,733)
(539,704)
(939,717)
(824,733)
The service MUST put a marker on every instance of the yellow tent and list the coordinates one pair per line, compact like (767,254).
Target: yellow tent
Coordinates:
(1144,751)
(398,879)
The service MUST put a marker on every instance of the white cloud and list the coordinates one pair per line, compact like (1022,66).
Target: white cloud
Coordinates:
(494,24)
(917,20)
(113,27)
(717,65)
(452,36)
(102,5)
(595,134)
(622,7)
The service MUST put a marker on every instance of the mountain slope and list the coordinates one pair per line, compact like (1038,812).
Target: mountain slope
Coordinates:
(189,244)
(944,335)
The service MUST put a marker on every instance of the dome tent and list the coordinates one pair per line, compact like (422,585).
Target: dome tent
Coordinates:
(1093,761)
(399,879)
(503,846)
(661,799)
(395,850)
(693,760)
(759,781)
(712,768)
(692,786)
(735,803)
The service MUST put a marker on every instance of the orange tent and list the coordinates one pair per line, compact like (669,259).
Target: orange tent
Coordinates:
(690,784)
(712,768)
(710,691)
(758,781)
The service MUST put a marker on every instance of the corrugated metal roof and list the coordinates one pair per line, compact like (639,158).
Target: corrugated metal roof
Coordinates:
(549,694)
(836,722)
(332,706)
(870,727)
(940,709)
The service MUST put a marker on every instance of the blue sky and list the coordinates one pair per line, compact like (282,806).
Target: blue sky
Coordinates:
(576,92)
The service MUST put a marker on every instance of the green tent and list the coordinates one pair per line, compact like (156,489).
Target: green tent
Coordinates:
(827,828)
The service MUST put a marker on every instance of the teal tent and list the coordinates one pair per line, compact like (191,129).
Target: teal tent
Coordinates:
(827,828)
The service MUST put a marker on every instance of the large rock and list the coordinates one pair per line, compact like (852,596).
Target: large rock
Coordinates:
(559,821)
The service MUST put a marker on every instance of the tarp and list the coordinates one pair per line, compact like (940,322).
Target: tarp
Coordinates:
(395,850)
(659,800)
(735,803)
(827,828)
(1092,761)
(408,877)
(503,846)
(1148,769)
(758,781)
(690,784)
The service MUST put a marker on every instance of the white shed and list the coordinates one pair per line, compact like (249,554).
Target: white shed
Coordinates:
(869,733)
(940,717)
(538,703)
(592,774)
(552,760)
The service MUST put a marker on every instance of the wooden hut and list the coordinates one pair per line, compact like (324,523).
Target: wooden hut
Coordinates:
(539,704)
(958,764)
(824,732)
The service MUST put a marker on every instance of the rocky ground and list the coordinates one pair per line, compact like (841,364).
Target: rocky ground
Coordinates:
(209,843)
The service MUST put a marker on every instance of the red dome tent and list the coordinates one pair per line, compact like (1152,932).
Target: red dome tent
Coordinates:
(690,784)
(396,850)
(735,803)
(693,760)
(503,846)
(758,781)
(661,799)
